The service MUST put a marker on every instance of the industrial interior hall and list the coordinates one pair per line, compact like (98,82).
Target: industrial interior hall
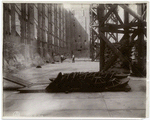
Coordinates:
(75,60)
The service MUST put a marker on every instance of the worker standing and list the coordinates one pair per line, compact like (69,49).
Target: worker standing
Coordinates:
(73,58)
(61,58)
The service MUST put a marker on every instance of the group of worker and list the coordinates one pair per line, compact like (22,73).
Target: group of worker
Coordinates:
(62,58)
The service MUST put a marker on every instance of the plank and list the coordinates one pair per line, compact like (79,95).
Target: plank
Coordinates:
(127,25)
(114,58)
(118,17)
(14,79)
(126,8)
(108,13)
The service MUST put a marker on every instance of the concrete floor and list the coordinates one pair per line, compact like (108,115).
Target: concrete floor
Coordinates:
(99,104)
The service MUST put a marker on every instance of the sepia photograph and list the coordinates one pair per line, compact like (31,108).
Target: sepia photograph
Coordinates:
(74,59)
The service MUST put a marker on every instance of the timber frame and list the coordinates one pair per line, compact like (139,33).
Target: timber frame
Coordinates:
(106,24)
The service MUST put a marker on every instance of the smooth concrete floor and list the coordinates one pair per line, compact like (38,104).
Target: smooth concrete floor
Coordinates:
(94,104)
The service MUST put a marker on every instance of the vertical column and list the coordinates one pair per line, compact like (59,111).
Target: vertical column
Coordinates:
(7,27)
(65,42)
(5,30)
(23,23)
(49,27)
(13,27)
(72,32)
(127,53)
(30,23)
(141,59)
(62,30)
(100,13)
(60,26)
(43,24)
(91,35)
(55,27)
(67,30)
(39,29)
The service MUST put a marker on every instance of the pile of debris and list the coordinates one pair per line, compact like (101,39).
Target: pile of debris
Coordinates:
(88,82)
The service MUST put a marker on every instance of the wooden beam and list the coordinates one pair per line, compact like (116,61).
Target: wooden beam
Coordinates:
(93,11)
(143,15)
(114,58)
(118,17)
(13,26)
(114,49)
(131,12)
(14,79)
(23,23)
(100,13)
(113,30)
(111,15)
(140,40)
(108,13)
(113,36)
(126,25)
(128,51)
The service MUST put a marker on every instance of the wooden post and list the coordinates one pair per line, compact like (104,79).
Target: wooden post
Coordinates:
(13,27)
(92,36)
(127,53)
(23,23)
(100,13)
(39,28)
(140,40)
(134,14)
(49,28)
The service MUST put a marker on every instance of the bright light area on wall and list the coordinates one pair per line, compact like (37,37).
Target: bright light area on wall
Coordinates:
(67,6)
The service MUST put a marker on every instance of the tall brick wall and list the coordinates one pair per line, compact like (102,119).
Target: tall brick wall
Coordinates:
(35,33)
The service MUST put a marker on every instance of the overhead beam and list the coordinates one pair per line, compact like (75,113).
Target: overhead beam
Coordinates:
(114,58)
(143,16)
(113,36)
(114,49)
(113,7)
(127,25)
(113,30)
(93,11)
(126,8)
(118,17)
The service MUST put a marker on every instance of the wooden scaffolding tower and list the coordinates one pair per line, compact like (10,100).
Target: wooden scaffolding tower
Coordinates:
(106,24)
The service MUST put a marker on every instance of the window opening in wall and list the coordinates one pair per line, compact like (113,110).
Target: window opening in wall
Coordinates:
(52,7)
(10,6)
(53,17)
(35,21)
(18,8)
(46,23)
(18,5)
(53,28)
(17,23)
(35,13)
(58,41)
(53,40)
(10,23)
(46,35)
(58,32)
(26,11)
(35,30)
(46,10)
(62,35)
